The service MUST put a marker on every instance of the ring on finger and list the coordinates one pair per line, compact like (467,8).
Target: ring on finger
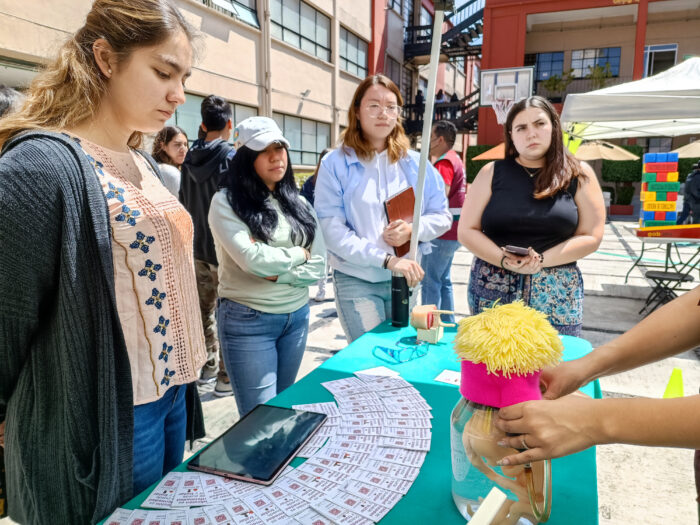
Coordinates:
(523,443)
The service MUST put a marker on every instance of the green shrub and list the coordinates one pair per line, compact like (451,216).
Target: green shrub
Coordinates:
(624,195)
(473,166)
(625,170)
(301,176)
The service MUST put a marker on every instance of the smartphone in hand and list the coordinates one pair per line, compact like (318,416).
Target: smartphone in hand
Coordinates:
(517,250)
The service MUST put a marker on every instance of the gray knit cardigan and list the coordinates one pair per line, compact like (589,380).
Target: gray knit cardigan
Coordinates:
(65,381)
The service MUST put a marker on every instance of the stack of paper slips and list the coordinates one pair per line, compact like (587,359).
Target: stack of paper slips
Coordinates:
(361,462)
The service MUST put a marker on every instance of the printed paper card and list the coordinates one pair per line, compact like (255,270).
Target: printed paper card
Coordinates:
(384,497)
(312,517)
(119,517)
(219,515)
(330,408)
(408,444)
(138,517)
(162,496)
(190,492)
(383,481)
(177,517)
(393,469)
(241,512)
(266,510)
(363,507)
(290,504)
(198,516)
(339,514)
(411,458)
(451,377)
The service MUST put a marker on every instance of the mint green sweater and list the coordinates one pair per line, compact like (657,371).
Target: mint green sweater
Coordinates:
(244,262)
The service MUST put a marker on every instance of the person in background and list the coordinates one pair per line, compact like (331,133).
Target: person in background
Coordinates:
(691,197)
(202,170)
(453,110)
(100,340)
(539,198)
(354,181)
(440,98)
(307,191)
(437,285)
(420,104)
(169,151)
(270,250)
(10,100)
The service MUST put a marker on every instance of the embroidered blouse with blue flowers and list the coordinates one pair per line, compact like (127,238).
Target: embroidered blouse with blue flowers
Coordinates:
(155,282)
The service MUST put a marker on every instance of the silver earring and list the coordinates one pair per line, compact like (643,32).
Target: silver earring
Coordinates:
(109,71)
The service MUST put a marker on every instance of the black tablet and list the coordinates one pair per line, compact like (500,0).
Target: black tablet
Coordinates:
(260,445)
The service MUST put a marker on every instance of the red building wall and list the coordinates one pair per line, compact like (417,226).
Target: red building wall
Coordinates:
(505,26)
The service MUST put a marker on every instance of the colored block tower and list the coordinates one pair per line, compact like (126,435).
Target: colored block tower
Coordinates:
(660,188)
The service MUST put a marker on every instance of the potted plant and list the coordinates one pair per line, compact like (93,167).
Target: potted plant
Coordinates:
(599,75)
(556,85)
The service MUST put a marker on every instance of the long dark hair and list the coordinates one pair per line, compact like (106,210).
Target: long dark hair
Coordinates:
(560,165)
(318,165)
(162,139)
(248,196)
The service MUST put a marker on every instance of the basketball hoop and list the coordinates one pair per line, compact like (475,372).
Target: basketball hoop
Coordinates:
(501,107)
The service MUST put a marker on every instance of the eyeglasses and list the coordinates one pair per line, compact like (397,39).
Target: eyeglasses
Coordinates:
(391,111)
(402,352)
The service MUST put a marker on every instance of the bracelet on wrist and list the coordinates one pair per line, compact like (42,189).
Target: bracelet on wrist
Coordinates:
(387,259)
(503,259)
(542,259)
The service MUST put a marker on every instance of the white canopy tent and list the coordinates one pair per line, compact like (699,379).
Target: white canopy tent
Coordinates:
(666,104)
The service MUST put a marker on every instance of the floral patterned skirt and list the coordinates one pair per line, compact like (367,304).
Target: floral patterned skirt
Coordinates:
(556,292)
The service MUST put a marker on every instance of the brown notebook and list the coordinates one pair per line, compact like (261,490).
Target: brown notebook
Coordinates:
(400,206)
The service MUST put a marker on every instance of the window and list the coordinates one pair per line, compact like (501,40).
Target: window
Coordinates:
(302,26)
(583,60)
(546,64)
(244,10)
(407,84)
(353,53)
(426,19)
(392,69)
(189,116)
(396,5)
(659,58)
(307,138)
(656,144)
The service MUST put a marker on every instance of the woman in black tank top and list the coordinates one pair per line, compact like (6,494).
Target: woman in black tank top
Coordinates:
(539,198)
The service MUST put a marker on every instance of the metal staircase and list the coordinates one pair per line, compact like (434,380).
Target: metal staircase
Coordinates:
(458,41)
(462,113)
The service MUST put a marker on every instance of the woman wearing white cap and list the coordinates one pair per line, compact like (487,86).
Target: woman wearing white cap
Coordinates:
(270,250)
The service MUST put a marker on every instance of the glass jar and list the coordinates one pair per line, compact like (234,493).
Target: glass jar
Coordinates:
(475,452)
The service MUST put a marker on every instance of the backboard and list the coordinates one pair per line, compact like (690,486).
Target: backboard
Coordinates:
(514,83)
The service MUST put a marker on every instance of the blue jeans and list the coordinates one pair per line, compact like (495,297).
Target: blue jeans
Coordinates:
(262,351)
(159,437)
(437,285)
(362,305)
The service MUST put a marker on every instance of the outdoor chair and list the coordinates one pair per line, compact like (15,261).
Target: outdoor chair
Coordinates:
(664,288)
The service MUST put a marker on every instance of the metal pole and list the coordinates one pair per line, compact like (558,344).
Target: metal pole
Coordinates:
(427,126)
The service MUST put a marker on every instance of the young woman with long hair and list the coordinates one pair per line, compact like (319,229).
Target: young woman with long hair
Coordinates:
(269,250)
(169,150)
(100,334)
(372,164)
(539,198)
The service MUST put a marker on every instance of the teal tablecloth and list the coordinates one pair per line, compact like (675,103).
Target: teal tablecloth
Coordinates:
(575,492)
